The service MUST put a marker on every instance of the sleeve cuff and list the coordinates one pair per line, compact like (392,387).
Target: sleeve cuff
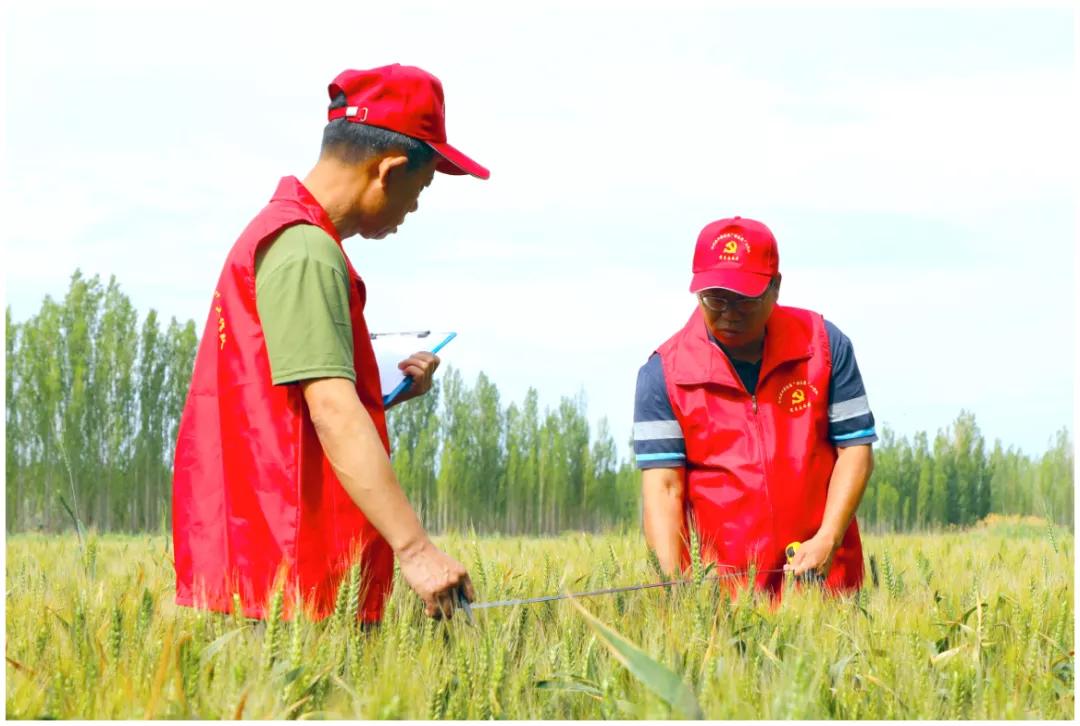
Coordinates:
(305,374)
(660,461)
(862,440)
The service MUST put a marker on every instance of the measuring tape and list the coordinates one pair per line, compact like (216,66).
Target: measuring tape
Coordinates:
(462,602)
(790,551)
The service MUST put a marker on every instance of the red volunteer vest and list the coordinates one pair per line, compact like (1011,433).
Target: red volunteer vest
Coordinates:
(252,489)
(758,467)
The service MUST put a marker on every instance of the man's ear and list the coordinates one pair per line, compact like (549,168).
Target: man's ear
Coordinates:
(776,285)
(391,168)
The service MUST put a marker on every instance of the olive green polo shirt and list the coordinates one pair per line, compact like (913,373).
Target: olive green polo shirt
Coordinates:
(302,295)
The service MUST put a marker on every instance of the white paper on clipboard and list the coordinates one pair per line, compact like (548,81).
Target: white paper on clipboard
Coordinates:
(392,348)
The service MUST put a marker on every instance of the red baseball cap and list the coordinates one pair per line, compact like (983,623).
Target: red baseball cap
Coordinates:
(404,99)
(735,254)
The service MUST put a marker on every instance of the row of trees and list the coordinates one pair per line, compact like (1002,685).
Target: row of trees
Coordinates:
(956,481)
(94,401)
(465,461)
(93,404)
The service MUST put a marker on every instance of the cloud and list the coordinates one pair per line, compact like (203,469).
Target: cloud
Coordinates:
(918,167)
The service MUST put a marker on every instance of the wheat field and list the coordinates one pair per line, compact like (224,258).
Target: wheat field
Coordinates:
(972,624)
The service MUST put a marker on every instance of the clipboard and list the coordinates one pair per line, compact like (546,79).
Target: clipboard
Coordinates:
(392,348)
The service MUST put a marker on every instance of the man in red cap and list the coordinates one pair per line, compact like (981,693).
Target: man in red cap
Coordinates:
(282,477)
(752,423)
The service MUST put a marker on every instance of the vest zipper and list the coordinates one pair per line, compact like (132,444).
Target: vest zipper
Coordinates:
(764,475)
(759,444)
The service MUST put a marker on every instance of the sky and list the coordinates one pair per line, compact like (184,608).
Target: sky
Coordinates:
(917,166)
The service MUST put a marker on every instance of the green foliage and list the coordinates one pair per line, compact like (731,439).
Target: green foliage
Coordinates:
(466,462)
(956,482)
(116,633)
(94,400)
(272,640)
(893,584)
(697,568)
(352,597)
(655,676)
(980,629)
(90,556)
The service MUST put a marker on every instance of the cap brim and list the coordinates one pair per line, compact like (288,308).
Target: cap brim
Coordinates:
(748,284)
(454,162)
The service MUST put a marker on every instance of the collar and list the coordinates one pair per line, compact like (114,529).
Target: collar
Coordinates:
(291,190)
(786,339)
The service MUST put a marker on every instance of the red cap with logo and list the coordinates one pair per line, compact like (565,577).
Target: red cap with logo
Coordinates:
(404,99)
(735,254)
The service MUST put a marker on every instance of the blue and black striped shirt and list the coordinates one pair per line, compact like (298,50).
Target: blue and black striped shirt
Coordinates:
(658,439)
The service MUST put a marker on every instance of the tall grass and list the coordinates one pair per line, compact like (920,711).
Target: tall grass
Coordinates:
(975,624)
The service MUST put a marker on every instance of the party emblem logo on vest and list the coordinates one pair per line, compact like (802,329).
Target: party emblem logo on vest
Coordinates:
(731,243)
(797,396)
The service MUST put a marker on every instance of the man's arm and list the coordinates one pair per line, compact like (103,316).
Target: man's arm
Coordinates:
(846,486)
(662,496)
(355,451)
(660,453)
(851,429)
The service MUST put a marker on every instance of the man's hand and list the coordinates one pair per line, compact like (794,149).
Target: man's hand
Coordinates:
(814,555)
(434,576)
(421,366)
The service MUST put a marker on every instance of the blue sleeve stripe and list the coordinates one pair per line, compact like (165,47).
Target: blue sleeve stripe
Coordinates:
(855,435)
(652,430)
(852,408)
(856,442)
(859,423)
(660,457)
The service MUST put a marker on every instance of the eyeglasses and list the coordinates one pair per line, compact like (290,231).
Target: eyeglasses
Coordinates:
(739,303)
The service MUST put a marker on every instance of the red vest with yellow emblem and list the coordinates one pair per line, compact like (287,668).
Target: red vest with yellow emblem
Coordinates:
(253,493)
(758,466)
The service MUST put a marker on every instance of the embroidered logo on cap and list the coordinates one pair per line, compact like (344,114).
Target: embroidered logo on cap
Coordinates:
(730,250)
